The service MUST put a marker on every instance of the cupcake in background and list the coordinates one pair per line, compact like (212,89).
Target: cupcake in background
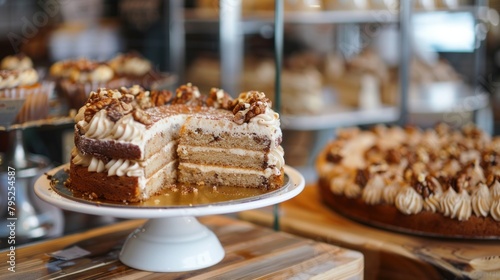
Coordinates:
(77,78)
(137,70)
(25,84)
(18,61)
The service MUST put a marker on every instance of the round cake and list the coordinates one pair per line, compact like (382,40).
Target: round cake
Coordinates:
(437,182)
(131,144)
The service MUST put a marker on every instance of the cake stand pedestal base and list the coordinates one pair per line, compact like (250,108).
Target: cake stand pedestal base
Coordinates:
(172,244)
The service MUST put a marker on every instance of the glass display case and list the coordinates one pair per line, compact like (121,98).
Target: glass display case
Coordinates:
(326,64)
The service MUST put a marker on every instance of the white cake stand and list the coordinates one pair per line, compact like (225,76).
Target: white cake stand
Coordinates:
(172,240)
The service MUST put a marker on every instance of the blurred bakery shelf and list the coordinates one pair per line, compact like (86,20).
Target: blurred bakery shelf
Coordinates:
(251,22)
(340,116)
(446,97)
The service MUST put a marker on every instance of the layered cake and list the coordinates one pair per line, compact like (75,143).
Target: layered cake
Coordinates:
(440,181)
(131,143)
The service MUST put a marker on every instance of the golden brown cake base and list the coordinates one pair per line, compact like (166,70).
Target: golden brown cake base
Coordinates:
(425,223)
(109,187)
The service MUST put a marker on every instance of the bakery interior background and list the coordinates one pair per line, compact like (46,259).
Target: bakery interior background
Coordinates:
(335,62)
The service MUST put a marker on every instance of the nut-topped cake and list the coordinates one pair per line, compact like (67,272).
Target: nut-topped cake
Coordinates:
(131,143)
(439,181)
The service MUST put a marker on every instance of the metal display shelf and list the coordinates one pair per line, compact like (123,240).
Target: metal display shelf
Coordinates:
(337,116)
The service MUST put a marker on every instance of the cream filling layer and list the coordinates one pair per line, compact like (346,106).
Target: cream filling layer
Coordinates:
(117,167)
(268,172)
(274,157)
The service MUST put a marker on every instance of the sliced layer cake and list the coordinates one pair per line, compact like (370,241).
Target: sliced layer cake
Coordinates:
(126,142)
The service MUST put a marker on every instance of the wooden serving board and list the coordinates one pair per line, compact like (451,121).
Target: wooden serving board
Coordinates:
(388,255)
(252,252)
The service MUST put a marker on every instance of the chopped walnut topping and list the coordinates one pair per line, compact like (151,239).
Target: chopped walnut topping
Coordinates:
(333,154)
(422,185)
(161,97)
(189,95)
(248,105)
(141,117)
(218,98)
(362,177)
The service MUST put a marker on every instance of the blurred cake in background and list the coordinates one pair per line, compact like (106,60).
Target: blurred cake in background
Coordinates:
(77,78)
(19,80)
(367,71)
(357,79)
(301,84)
(18,61)
(134,69)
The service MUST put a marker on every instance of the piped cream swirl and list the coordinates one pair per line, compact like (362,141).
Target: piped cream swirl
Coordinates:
(121,167)
(117,167)
(99,126)
(481,200)
(127,129)
(462,210)
(372,193)
(408,201)
(495,210)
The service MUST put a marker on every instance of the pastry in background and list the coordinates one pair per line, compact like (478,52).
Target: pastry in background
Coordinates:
(134,69)
(301,82)
(77,78)
(423,76)
(363,73)
(25,84)
(18,61)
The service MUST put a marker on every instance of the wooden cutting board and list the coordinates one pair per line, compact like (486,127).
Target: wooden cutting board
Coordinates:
(388,255)
(252,252)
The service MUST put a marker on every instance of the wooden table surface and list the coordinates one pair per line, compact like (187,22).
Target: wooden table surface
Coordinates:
(252,252)
(388,255)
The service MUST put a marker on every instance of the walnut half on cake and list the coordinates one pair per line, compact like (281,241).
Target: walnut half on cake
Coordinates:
(131,143)
(439,181)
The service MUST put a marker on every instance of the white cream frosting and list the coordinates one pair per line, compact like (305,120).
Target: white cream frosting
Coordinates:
(338,184)
(408,201)
(100,74)
(372,193)
(269,118)
(96,165)
(495,210)
(390,192)
(481,200)
(448,202)
(118,167)
(495,190)
(455,205)
(14,62)
(15,78)
(352,190)
(463,209)
(99,127)
(121,167)
(127,129)
(130,65)
(431,203)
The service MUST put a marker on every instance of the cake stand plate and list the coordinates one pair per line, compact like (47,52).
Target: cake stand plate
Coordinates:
(172,240)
